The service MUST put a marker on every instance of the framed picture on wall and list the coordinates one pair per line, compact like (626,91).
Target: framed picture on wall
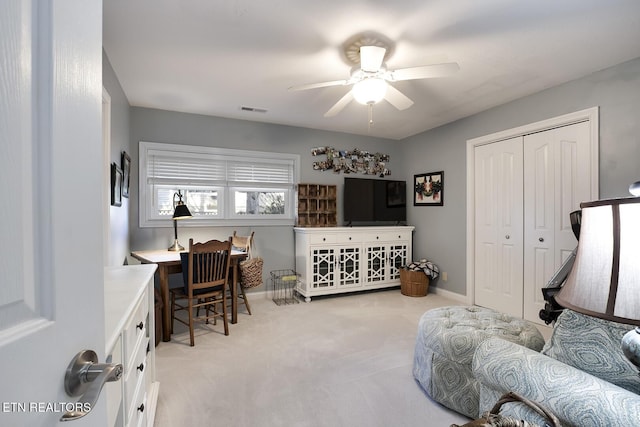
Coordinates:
(126,173)
(428,189)
(116,185)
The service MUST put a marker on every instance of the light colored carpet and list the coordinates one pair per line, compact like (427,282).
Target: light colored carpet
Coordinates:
(339,361)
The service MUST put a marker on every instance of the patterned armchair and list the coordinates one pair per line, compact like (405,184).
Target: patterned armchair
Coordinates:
(581,374)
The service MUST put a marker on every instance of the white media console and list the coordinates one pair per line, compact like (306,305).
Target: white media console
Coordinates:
(333,260)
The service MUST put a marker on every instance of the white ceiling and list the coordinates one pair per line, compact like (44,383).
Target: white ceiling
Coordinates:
(215,56)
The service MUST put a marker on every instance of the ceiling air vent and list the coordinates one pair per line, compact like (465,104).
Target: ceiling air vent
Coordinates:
(253,109)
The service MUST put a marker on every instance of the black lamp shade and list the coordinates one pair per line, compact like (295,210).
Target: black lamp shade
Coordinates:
(181,211)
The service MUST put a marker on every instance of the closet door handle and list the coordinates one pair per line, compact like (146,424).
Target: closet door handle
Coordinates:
(507,237)
(541,239)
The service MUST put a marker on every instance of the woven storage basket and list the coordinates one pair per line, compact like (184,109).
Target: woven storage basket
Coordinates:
(251,272)
(413,283)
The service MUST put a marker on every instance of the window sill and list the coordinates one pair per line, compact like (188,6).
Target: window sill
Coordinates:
(254,222)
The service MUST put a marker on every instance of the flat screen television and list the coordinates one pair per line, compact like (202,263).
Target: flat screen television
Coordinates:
(368,200)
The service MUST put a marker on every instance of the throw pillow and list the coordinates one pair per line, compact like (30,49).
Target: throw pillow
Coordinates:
(593,346)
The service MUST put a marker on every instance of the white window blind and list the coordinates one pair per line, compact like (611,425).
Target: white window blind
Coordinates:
(188,169)
(276,173)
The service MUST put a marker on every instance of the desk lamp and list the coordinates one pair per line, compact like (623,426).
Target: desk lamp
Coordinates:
(605,279)
(181,211)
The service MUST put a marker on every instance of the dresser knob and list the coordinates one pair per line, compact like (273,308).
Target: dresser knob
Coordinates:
(141,408)
(140,325)
(140,367)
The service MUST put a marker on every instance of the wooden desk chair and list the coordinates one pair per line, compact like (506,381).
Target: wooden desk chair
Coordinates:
(243,243)
(205,270)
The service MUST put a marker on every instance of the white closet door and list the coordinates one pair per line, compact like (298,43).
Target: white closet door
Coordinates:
(498,226)
(556,180)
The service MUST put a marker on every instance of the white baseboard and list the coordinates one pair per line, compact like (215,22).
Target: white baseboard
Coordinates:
(451,295)
(268,294)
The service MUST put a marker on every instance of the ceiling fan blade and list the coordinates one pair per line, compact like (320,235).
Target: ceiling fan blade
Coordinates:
(423,72)
(397,98)
(371,58)
(322,84)
(338,106)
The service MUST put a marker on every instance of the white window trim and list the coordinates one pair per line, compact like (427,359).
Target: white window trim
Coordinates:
(146,220)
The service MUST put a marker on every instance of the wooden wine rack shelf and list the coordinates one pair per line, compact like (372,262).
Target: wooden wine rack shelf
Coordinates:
(317,205)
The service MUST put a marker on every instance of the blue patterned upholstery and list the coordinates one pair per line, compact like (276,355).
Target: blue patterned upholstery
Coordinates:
(446,341)
(593,346)
(577,398)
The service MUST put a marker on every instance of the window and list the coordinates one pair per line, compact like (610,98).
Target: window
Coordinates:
(219,186)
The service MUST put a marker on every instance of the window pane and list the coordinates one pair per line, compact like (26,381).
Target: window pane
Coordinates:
(201,202)
(259,202)
(164,196)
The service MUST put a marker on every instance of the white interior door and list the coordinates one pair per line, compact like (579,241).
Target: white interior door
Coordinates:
(498,226)
(557,179)
(51,258)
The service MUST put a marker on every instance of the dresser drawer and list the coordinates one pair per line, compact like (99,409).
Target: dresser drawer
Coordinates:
(318,239)
(349,238)
(390,236)
(137,416)
(134,376)
(135,330)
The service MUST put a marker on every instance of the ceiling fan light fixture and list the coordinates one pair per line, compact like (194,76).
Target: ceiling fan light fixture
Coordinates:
(370,90)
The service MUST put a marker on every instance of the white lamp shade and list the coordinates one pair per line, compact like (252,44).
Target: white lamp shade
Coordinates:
(605,279)
(370,90)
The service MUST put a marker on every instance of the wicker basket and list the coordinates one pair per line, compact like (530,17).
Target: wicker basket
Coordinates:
(251,272)
(413,283)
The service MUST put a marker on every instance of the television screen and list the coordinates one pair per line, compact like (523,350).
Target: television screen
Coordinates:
(374,200)
(358,200)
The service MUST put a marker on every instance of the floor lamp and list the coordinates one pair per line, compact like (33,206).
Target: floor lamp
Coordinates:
(180,211)
(605,279)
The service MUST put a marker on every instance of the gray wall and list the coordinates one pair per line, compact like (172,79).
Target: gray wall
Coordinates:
(120,141)
(441,231)
(274,244)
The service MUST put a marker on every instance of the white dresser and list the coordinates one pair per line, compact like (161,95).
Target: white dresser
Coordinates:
(129,322)
(333,260)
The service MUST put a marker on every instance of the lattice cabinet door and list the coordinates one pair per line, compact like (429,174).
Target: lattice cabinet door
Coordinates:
(398,256)
(323,268)
(349,261)
(376,268)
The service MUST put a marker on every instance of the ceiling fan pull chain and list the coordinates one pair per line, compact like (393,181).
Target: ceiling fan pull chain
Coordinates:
(370,115)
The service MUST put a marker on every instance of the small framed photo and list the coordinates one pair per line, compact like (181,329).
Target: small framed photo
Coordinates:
(428,189)
(126,172)
(116,185)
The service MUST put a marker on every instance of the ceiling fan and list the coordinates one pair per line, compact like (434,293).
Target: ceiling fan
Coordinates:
(371,80)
